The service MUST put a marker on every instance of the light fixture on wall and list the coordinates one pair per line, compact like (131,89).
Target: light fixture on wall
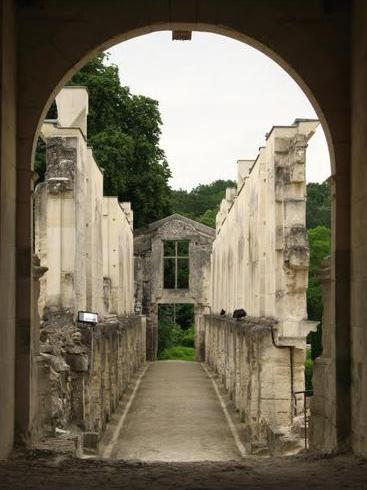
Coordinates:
(87,317)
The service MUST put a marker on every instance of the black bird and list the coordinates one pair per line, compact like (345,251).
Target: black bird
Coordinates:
(240,313)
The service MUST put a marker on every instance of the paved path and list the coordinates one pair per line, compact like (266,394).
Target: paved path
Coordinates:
(175,416)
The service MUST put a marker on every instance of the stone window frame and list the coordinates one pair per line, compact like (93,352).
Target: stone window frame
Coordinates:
(176,257)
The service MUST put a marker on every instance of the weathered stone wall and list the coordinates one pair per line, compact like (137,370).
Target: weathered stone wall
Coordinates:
(84,371)
(260,378)
(323,401)
(351,368)
(8,359)
(85,245)
(89,256)
(260,263)
(149,286)
(260,254)
(118,258)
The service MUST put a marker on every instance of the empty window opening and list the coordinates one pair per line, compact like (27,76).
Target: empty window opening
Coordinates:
(176,264)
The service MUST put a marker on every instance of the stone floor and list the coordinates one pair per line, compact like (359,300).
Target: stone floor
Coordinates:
(175,416)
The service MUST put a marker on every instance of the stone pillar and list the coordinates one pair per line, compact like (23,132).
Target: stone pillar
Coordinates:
(323,402)
(7,228)
(36,362)
(152,338)
(357,382)
(200,311)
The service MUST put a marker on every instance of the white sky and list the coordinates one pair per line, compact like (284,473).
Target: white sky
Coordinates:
(218,97)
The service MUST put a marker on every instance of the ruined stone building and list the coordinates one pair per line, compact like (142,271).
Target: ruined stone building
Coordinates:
(172,266)
(90,260)
(260,263)
(321,44)
(83,237)
(84,242)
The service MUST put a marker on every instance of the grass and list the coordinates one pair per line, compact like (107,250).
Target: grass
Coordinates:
(178,353)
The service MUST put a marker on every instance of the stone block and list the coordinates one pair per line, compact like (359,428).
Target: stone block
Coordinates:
(90,442)
(77,362)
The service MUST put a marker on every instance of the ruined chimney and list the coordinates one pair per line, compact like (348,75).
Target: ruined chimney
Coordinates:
(243,171)
(231,193)
(72,108)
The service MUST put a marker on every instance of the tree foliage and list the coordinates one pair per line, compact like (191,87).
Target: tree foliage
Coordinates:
(319,242)
(176,332)
(318,205)
(202,202)
(124,131)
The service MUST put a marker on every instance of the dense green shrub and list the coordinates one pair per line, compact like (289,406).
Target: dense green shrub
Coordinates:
(169,335)
(175,342)
(178,352)
(188,339)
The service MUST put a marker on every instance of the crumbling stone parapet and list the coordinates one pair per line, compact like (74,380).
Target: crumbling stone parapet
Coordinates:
(260,377)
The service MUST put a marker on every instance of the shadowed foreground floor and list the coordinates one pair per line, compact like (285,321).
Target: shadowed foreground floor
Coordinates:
(37,470)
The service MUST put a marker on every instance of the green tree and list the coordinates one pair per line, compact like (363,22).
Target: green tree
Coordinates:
(318,205)
(124,131)
(209,217)
(202,202)
(319,241)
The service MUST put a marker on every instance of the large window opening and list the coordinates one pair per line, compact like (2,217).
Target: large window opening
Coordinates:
(176,331)
(176,264)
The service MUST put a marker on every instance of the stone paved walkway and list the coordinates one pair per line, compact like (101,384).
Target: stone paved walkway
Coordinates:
(175,416)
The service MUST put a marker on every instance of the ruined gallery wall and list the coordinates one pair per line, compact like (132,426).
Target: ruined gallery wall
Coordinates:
(260,254)
(259,379)
(260,263)
(102,368)
(84,245)
(118,259)
(68,222)
(83,387)
(57,222)
(92,203)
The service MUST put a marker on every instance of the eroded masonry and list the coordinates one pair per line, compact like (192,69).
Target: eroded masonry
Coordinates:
(88,259)
(260,262)
(172,266)
(84,245)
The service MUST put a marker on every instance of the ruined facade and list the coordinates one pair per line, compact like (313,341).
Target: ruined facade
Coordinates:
(33,70)
(118,263)
(150,290)
(260,263)
(84,242)
(85,236)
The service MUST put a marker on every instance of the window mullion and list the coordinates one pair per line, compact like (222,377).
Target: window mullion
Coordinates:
(176,265)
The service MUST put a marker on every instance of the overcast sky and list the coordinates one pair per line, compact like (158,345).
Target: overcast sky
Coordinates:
(218,97)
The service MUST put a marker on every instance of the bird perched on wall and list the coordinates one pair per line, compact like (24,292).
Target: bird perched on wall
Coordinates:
(240,313)
(222,312)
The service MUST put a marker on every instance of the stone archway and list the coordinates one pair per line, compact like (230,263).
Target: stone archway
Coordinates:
(55,39)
